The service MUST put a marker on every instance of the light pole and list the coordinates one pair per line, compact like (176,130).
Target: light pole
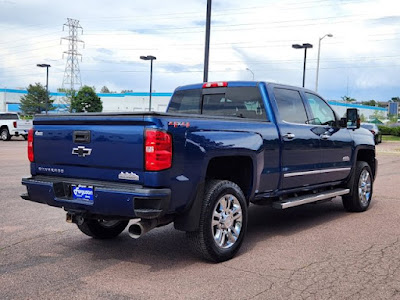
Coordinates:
(319,51)
(305,47)
(251,72)
(151,58)
(207,43)
(47,66)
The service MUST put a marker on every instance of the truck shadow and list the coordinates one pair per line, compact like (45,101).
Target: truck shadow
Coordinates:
(265,222)
(166,248)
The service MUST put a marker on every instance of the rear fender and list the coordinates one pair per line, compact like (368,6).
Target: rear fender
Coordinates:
(205,146)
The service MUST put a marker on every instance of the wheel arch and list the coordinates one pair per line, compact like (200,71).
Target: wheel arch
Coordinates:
(367,154)
(239,169)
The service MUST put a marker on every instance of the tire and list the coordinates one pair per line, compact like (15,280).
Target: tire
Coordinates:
(25,137)
(101,229)
(360,196)
(5,134)
(223,221)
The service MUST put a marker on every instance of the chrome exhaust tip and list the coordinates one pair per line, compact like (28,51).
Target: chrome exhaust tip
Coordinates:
(138,229)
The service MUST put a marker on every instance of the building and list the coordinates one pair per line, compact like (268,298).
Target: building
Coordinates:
(10,99)
(131,102)
(394,109)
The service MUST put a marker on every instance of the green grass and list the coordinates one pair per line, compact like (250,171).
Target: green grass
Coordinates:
(390,138)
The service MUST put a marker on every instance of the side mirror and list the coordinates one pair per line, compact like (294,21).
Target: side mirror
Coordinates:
(353,118)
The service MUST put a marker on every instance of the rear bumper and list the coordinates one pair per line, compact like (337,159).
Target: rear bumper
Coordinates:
(109,199)
(17,132)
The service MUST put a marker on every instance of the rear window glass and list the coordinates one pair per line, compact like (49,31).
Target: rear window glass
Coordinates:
(8,116)
(186,102)
(240,102)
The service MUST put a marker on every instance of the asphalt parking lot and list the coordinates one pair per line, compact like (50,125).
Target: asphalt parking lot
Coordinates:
(311,252)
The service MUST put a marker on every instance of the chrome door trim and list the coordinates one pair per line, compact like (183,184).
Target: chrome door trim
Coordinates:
(323,171)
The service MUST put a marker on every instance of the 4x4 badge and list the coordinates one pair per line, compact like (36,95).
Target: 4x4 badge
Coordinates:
(81,151)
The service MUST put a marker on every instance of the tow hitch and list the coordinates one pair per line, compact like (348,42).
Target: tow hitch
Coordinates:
(75,218)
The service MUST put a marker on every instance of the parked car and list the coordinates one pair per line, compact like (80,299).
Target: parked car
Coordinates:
(374,130)
(219,147)
(12,125)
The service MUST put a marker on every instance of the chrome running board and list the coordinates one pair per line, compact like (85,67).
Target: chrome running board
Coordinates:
(300,200)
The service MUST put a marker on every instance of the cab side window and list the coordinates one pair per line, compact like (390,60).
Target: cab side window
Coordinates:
(290,105)
(322,113)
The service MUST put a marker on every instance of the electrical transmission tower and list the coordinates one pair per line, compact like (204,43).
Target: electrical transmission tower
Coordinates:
(72,75)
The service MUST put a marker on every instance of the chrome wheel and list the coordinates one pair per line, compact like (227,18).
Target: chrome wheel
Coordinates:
(364,187)
(226,222)
(4,135)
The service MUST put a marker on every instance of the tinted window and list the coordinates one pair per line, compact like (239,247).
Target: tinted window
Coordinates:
(241,102)
(290,105)
(8,116)
(247,102)
(186,102)
(322,113)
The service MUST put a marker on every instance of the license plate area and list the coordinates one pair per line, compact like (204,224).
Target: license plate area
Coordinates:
(82,192)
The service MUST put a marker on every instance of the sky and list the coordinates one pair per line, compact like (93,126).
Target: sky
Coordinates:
(361,60)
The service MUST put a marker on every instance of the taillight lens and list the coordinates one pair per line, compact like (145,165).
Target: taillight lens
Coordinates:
(31,156)
(15,124)
(158,150)
(215,84)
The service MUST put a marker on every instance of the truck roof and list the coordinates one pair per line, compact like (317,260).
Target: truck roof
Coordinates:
(237,84)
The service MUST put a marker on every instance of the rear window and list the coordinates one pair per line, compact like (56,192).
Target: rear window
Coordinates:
(186,102)
(240,102)
(8,117)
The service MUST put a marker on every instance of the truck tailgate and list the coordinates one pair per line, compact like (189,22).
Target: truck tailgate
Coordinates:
(95,148)
(24,124)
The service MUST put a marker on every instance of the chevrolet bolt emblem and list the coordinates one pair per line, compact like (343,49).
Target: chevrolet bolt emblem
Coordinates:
(81,151)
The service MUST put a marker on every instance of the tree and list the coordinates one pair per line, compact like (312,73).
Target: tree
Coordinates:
(396,99)
(126,91)
(105,90)
(35,101)
(348,99)
(369,103)
(86,100)
(378,115)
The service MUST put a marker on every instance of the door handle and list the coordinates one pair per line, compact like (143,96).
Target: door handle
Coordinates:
(325,136)
(289,136)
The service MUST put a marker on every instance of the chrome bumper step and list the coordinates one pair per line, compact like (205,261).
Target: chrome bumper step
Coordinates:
(300,200)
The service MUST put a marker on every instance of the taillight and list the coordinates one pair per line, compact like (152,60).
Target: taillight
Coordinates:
(215,84)
(158,150)
(31,157)
(15,124)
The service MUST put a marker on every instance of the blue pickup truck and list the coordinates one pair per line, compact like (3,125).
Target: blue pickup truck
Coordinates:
(219,147)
